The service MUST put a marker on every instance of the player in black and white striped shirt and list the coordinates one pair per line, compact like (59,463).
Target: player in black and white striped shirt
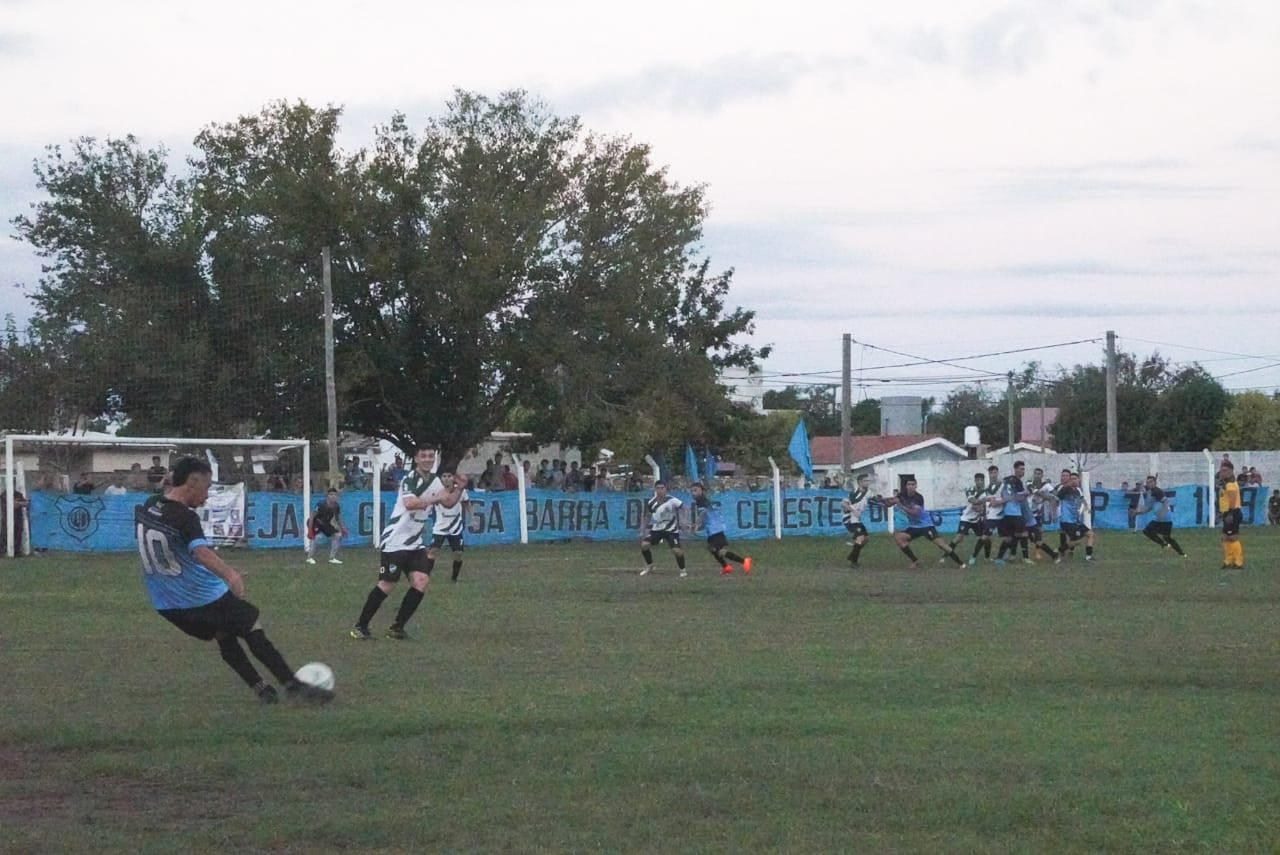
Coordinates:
(661,524)
(853,508)
(449,527)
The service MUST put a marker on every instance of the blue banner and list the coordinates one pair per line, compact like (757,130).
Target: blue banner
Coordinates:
(278,520)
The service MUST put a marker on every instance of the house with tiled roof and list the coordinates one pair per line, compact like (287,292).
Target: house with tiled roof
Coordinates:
(867,451)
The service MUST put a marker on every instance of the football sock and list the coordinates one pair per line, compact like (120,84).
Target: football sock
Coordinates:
(680,561)
(855,552)
(1176,547)
(1239,553)
(1006,546)
(1088,550)
(265,652)
(954,557)
(457,569)
(1047,550)
(977,547)
(1022,545)
(1228,553)
(986,548)
(733,556)
(1155,538)
(409,605)
(333,548)
(647,556)
(371,606)
(906,550)
(233,654)
(1063,541)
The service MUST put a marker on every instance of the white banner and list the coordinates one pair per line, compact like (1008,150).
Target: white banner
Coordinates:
(222,516)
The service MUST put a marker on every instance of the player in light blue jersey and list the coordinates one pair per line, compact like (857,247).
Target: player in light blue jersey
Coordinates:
(1071,505)
(199,593)
(710,519)
(1159,504)
(1012,502)
(919,524)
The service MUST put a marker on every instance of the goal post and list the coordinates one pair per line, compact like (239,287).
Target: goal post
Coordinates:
(81,450)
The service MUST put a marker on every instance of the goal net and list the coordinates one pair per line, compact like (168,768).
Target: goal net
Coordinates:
(78,492)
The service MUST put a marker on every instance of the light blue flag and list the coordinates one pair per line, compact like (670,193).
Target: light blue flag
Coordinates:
(798,448)
(690,463)
(711,467)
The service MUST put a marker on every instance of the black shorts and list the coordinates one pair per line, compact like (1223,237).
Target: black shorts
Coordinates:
(392,564)
(1231,521)
(1012,526)
(671,537)
(1158,527)
(327,529)
(925,531)
(856,529)
(1075,531)
(454,541)
(717,541)
(967,527)
(228,615)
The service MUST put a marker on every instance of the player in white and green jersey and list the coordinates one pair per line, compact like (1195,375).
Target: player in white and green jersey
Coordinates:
(994,511)
(973,517)
(403,550)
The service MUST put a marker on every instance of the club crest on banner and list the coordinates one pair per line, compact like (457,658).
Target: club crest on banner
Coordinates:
(79,515)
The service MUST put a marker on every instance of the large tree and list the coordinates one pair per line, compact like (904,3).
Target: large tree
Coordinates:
(1252,421)
(499,265)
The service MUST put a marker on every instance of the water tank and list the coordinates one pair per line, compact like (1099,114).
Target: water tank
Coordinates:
(901,416)
(972,436)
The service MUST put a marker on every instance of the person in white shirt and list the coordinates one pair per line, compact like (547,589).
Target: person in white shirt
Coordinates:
(116,487)
(660,523)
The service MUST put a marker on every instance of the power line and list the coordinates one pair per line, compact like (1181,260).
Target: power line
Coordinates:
(925,361)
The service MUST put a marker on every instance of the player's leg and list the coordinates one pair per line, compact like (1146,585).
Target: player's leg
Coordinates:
(310,544)
(948,551)
(455,551)
(335,543)
(904,544)
(1152,532)
(202,623)
(1167,533)
(419,578)
(433,551)
(678,551)
(646,552)
(389,572)
(1043,546)
(717,545)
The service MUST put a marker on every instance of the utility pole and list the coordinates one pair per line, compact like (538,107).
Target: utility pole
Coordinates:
(1113,433)
(1009,397)
(330,383)
(846,386)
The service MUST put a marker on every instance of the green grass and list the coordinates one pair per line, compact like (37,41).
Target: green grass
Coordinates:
(557,702)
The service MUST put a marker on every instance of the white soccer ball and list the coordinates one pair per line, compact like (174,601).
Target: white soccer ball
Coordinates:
(316,674)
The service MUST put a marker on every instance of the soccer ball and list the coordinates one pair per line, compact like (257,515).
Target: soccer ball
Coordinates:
(316,674)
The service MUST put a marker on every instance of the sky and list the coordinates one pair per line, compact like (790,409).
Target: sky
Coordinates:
(939,178)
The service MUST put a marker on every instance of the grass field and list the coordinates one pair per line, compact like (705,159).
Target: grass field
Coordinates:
(554,701)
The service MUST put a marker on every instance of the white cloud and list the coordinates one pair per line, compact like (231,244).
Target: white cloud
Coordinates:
(887,161)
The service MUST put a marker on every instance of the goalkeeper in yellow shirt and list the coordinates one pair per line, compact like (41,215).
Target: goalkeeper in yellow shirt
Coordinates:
(1229,510)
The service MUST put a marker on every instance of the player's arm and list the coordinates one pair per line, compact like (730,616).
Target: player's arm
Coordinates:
(224,571)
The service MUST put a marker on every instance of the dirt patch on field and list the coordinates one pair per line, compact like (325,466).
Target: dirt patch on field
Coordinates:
(46,794)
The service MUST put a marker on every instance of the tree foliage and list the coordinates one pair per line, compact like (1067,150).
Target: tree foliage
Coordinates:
(1252,421)
(500,265)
